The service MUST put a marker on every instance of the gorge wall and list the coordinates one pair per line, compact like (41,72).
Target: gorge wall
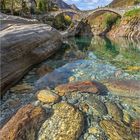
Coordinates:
(110,24)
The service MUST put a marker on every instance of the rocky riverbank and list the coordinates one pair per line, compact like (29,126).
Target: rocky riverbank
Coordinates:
(23,44)
(74,95)
(128,27)
(77,96)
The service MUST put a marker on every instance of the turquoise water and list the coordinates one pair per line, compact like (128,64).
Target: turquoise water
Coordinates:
(122,52)
(81,59)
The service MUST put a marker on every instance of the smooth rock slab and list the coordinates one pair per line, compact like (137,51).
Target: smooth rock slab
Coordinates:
(47,96)
(116,131)
(65,124)
(85,86)
(126,88)
(22,46)
(24,124)
(21,88)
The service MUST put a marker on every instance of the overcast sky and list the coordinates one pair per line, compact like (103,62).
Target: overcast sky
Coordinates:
(88,4)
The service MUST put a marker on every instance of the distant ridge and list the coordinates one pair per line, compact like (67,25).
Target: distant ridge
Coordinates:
(73,6)
(63,5)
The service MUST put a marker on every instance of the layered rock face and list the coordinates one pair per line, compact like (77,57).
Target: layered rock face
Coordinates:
(129,27)
(22,45)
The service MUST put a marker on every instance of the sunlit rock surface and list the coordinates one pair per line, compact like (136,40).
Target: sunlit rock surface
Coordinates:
(23,45)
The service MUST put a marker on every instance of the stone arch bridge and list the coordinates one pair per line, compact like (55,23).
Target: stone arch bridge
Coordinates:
(85,14)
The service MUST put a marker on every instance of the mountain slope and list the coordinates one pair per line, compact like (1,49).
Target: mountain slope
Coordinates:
(123,3)
(73,6)
(61,4)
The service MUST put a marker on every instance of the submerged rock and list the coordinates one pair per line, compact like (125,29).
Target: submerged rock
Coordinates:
(22,46)
(133,102)
(114,111)
(116,131)
(21,88)
(47,96)
(24,124)
(135,126)
(85,86)
(44,69)
(126,117)
(126,88)
(65,124)
(98,105)
(81,70)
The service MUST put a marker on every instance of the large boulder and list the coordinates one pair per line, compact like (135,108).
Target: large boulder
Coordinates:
(85,86)
(24,124)
(66,123)
(22,45)
(116,131)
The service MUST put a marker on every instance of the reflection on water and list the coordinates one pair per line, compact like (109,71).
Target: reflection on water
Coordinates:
(121,52)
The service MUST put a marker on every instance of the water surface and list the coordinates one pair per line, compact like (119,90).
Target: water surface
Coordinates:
(82,58)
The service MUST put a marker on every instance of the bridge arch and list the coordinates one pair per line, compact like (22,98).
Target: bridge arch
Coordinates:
(103,10)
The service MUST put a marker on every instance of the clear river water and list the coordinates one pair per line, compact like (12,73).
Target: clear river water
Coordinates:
(82,58)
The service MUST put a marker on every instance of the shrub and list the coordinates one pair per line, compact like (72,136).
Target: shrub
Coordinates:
(111,20)
(134,12)
(67,19)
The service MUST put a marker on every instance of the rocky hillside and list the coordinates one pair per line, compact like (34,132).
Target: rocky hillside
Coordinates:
(61,4)
(128,25)
(97,25)
(123,3)
(73,6)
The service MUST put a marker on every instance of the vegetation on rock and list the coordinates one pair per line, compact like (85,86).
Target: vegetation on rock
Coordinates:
(134,12)
(123,3)
(62,21)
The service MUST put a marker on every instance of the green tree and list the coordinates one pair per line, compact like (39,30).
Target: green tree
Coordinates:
(41,5)
(2,5)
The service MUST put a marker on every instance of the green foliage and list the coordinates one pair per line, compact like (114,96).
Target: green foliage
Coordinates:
(67,20)
(18,6)
(134,12)
(123,3)
(111,20)
(137,2)
(2,5)
(59,22)
(41,5)
(62,22)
